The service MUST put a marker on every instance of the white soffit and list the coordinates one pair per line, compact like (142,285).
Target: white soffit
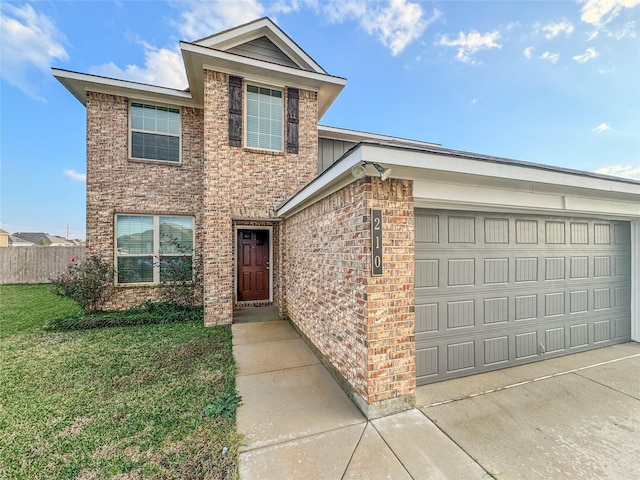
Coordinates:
(449,179)
(81,83)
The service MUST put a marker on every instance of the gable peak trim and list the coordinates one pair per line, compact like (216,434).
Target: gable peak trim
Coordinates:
(262,27)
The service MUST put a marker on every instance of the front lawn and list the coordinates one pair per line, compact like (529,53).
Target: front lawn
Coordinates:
(124,402)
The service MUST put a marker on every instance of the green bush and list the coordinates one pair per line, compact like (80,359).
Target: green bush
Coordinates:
(180,275)
(87,282)
(146,314)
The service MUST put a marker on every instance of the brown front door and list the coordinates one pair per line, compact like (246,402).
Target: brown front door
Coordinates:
(253,265)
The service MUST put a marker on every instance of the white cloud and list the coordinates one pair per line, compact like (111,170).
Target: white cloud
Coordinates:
(603,127)
(601,12)
(73,175)
(396,24)
(471,43)
(29,40)
(203,18)
(627,30)
(586,56)
(555,29)
(161,67)
(626,171)
(551,57)
(528,52)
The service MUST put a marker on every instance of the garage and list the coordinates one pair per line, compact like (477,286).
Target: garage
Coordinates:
(494,290)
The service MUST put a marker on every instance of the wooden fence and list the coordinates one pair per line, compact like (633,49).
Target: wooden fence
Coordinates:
(35,264)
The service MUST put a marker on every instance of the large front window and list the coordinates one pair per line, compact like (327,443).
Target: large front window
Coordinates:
(155,132)
(147,244)
(264,118)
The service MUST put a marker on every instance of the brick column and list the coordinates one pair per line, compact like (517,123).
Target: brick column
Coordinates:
(217,208)
(391,370)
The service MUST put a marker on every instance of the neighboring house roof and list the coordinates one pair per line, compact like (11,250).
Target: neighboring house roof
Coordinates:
(3,232)
(43,239)
(16,241)
(258,48)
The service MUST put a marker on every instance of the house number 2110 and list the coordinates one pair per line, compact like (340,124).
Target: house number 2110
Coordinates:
(376,241)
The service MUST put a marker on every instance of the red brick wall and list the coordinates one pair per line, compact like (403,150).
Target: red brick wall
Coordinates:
(241,184)
(116,184)
(363,325)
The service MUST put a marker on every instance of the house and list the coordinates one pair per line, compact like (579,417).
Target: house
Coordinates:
(44,239)
(4,238)
(401,262)
(15,241)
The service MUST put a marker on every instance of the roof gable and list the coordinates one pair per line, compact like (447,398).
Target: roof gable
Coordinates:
(263,49)
(252,37)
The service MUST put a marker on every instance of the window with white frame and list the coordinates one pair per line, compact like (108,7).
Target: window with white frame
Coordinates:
(264,124)
(155,132)
(147,244)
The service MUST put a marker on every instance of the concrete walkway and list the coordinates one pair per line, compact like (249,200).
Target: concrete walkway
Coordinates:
(298,423)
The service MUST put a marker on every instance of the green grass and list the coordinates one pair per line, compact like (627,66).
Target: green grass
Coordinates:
(123,402)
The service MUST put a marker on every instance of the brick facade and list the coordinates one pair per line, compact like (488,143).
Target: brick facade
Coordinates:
(362,325)
(116,184)
(244,184)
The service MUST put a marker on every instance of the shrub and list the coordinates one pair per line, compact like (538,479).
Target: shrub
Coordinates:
(149,313)
(87,282)
(180,276)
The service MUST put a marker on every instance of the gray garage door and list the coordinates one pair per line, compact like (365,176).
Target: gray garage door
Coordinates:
(496,290)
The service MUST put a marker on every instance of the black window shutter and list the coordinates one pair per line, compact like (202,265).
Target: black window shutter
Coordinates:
(292,119)
(235,111)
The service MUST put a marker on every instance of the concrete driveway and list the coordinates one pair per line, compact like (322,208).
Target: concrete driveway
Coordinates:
(565,418)
(571,417)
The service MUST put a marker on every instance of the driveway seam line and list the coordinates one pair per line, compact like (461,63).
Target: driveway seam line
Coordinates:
(346,468)
(608,386)
(526,382)
(392,450)
(456,443)
(295,439)
(280,370)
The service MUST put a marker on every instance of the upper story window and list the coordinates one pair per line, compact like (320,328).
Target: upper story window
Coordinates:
(155,132)
(264,118)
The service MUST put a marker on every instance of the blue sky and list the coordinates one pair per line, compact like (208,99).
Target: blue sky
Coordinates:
(541,81)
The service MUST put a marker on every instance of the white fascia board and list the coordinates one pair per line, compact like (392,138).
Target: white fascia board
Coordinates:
(263,27)
(81,83)
(491,198)
(449,161)
(355,136)
(477,184)
(197,58)
(330,181)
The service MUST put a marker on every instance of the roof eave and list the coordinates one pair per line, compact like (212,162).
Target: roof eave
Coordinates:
(423,163)
(198,58)
(81,83)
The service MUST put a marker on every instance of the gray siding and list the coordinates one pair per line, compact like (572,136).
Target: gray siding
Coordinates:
(263,49)
(329,151)
(496,290)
